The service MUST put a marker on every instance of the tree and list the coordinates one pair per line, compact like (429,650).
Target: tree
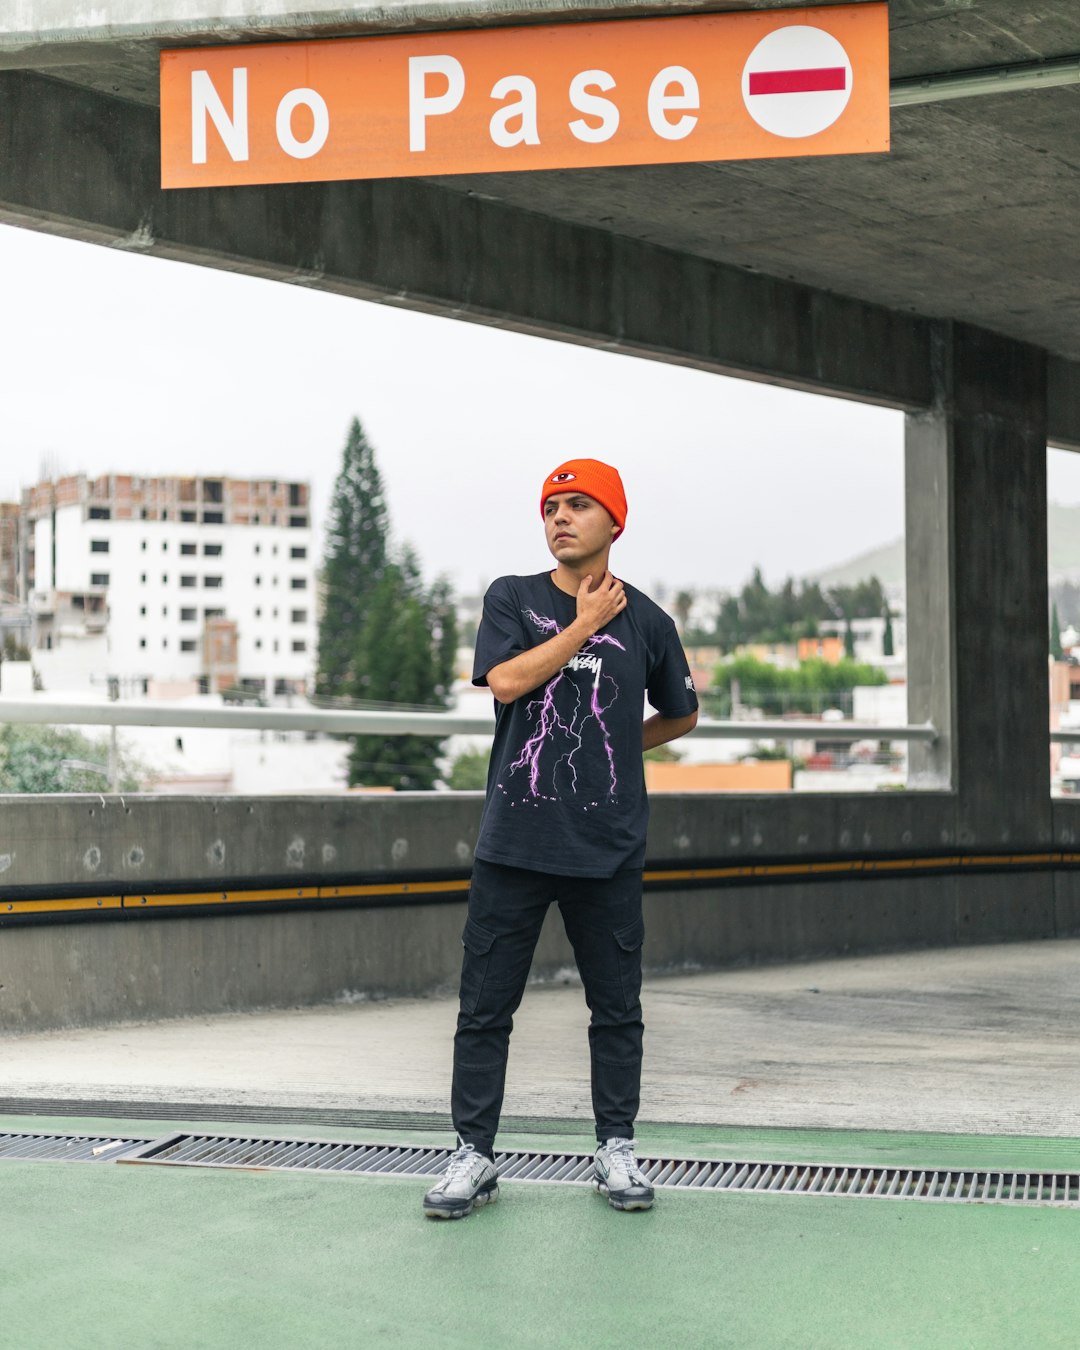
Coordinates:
(1056,650)
(849,639)
(383,638)
(775,690)
(684,603)
(468,773)
(57,759)
(796,610)
(888,643)
(357,542)
(404,654)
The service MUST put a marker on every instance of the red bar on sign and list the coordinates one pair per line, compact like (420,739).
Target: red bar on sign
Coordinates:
(798,81)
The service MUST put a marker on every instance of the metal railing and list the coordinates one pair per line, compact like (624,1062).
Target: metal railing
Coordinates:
(382,722)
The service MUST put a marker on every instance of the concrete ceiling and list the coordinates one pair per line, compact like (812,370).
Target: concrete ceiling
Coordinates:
(975,213)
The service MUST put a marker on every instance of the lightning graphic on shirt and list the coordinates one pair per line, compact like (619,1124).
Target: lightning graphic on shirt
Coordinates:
(565,730)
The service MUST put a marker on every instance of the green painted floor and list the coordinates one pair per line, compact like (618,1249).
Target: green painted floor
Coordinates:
(107,1255)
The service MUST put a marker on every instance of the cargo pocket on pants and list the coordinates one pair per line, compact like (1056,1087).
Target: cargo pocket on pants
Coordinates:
(477,942)
(630,941)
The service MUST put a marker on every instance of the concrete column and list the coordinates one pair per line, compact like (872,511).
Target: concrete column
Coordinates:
(977,586)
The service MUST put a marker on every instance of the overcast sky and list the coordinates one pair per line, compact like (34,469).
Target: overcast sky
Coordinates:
(124,363)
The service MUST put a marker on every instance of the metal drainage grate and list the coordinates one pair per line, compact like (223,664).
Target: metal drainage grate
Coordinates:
(773,1178)
(66,1147)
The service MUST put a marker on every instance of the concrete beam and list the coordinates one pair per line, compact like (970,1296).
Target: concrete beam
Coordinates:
(34,23)
(1063,403)
(76,163)
(977,586)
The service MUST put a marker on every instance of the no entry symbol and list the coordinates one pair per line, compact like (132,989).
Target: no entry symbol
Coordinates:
(797,81)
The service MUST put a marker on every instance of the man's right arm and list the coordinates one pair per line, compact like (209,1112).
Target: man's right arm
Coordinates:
(529,669)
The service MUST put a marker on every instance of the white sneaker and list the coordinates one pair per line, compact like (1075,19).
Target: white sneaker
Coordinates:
(617,1175)
(470,1179)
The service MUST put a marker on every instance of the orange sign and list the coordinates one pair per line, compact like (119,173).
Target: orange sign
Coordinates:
(630,91)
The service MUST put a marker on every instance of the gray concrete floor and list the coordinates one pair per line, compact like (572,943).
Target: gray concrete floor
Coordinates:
(973,1040)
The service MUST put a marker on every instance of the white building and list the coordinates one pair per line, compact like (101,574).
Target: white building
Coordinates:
(204,582)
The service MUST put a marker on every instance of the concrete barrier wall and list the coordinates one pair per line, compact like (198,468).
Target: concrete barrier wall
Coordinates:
(89,973)
(94,843)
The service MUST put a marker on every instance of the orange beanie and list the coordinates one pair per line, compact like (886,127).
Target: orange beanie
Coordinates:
(592,479)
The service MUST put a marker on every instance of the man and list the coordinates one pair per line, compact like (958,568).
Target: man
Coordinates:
(570,656)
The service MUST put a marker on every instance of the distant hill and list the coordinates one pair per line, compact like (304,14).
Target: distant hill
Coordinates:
(887,563)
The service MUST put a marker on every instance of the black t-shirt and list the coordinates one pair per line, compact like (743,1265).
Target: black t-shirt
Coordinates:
(566,784)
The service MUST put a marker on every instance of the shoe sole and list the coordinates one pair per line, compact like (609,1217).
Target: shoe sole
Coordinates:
(488,1196)
(627,1206)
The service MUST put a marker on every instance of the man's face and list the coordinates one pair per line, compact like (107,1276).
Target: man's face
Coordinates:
(577,527)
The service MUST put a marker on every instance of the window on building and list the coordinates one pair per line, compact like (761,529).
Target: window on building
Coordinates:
(299,616)
(142,577)
(211,550)
(99,546)
(273,581)
(164,513)
(164,611)
(164,578)
(256,519)
(299,645)
(274,550)
(282,686)
(164,642)
(188,517)
(188,581)
(188,550)
(276,644)
(258,581)
(142,642)
(296,494)
(143,544)
(188,615)
(142,611)
(99,578)
(299,583)
(213,517)
(188,644)
(212,583)
(298,522)
(258,613)
(298,551)
(213,613)
(258,644)
(78,602)
(213,490)
(258,547)
(100,513)
(204,684)
(164,546)
(144,514)
(275,613)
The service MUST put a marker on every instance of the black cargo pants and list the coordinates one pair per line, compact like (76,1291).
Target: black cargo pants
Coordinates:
(602,918)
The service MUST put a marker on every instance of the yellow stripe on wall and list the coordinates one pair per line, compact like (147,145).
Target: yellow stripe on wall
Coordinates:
(84,902)
(391,890)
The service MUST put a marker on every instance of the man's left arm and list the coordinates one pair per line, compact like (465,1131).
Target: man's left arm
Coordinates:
(669,686)
(658,730)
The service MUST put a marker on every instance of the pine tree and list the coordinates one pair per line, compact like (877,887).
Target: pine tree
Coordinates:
(383,638)
(355,558)
(849,639)
(1056,650)
(888,642)
(403,655)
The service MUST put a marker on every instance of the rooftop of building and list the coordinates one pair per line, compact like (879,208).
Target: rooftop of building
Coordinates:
(944,1059)
(167,497)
